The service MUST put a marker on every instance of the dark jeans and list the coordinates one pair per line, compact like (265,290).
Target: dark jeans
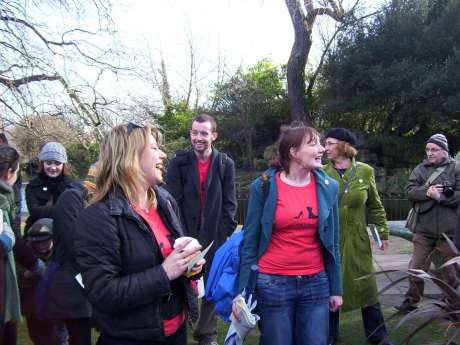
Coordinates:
(178,338)
(374,324)
(293,309)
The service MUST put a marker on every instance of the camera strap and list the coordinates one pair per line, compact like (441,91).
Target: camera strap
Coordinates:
(438,171)
(434,175)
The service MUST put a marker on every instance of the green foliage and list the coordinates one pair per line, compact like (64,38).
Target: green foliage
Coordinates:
(176,120)
(170,147)
(432,311)
(81,157)
(396,151)
(398,74)
(251,106)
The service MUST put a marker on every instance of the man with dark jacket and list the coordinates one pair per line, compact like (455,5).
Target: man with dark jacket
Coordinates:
(202,180)
(434,190)
(41,331)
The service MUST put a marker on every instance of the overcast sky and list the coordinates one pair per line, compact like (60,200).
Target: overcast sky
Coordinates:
(245,31)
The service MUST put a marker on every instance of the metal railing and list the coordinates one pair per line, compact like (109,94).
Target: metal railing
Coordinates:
(396,209)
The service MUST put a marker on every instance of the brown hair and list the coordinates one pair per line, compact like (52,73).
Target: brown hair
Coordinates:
(206,118)
(119,162)
(9,159)
(346,150)
(292,136)
(66,169)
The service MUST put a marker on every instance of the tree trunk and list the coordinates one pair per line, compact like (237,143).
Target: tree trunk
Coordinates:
(297,61)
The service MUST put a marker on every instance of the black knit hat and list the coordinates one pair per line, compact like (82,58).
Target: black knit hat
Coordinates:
(342,134)
(440,140)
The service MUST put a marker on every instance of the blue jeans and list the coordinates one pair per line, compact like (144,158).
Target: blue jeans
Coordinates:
(294,310)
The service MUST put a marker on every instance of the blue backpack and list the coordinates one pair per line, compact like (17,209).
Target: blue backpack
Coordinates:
(222,284)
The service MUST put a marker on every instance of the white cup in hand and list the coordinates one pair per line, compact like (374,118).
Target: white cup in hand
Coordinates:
(192,247)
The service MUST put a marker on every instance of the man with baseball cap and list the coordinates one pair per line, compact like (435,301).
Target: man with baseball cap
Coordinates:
(42,331)
(434,190)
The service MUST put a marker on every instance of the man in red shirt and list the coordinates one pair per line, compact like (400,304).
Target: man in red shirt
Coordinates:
(202,180)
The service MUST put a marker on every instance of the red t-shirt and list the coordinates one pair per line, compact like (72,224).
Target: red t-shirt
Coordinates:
(295,248)
(203,170)
(165,241)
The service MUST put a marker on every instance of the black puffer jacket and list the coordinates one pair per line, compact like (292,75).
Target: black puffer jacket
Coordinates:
(42,193)
(66,298)
(120,261)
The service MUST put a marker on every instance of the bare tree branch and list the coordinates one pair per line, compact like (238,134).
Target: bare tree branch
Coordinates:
(29,79)
(303,20)
(33,54)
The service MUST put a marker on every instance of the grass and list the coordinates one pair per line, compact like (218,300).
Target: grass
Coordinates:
(351,328)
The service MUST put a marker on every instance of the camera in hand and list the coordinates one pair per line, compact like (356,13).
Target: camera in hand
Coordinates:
(448,189)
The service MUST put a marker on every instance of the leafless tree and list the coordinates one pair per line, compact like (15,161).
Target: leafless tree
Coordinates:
(31,133)
(170,84)
(55,64)
(303,18)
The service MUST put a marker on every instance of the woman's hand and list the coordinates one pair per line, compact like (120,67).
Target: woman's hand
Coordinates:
(198,266)
(176,262)
(235,311)
(335,302)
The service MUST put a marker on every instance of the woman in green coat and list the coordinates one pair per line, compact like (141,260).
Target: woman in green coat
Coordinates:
(9,293)
(359,205)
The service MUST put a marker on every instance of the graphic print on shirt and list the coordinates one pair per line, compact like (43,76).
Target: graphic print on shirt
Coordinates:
(311,215)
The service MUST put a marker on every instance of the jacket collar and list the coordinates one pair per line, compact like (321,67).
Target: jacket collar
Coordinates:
(4,188)
(119,205)
(324,184)
(39,180)
(325,189)
(445,161)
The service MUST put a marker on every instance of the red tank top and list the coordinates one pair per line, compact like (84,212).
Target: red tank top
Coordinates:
(164,240)
(294,248)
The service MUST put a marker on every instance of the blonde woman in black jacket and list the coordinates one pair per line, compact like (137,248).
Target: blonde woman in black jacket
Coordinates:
(124,244)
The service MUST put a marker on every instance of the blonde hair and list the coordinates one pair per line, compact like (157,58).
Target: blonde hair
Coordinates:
(120,162)
(346,149)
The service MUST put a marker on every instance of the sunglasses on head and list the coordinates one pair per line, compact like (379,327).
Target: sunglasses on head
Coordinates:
(132,126)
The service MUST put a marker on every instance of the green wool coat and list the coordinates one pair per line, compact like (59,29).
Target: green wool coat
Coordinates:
(12,308)
(358,207)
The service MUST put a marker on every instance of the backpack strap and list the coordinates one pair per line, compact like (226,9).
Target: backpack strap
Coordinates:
(222,161)
(265,185)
